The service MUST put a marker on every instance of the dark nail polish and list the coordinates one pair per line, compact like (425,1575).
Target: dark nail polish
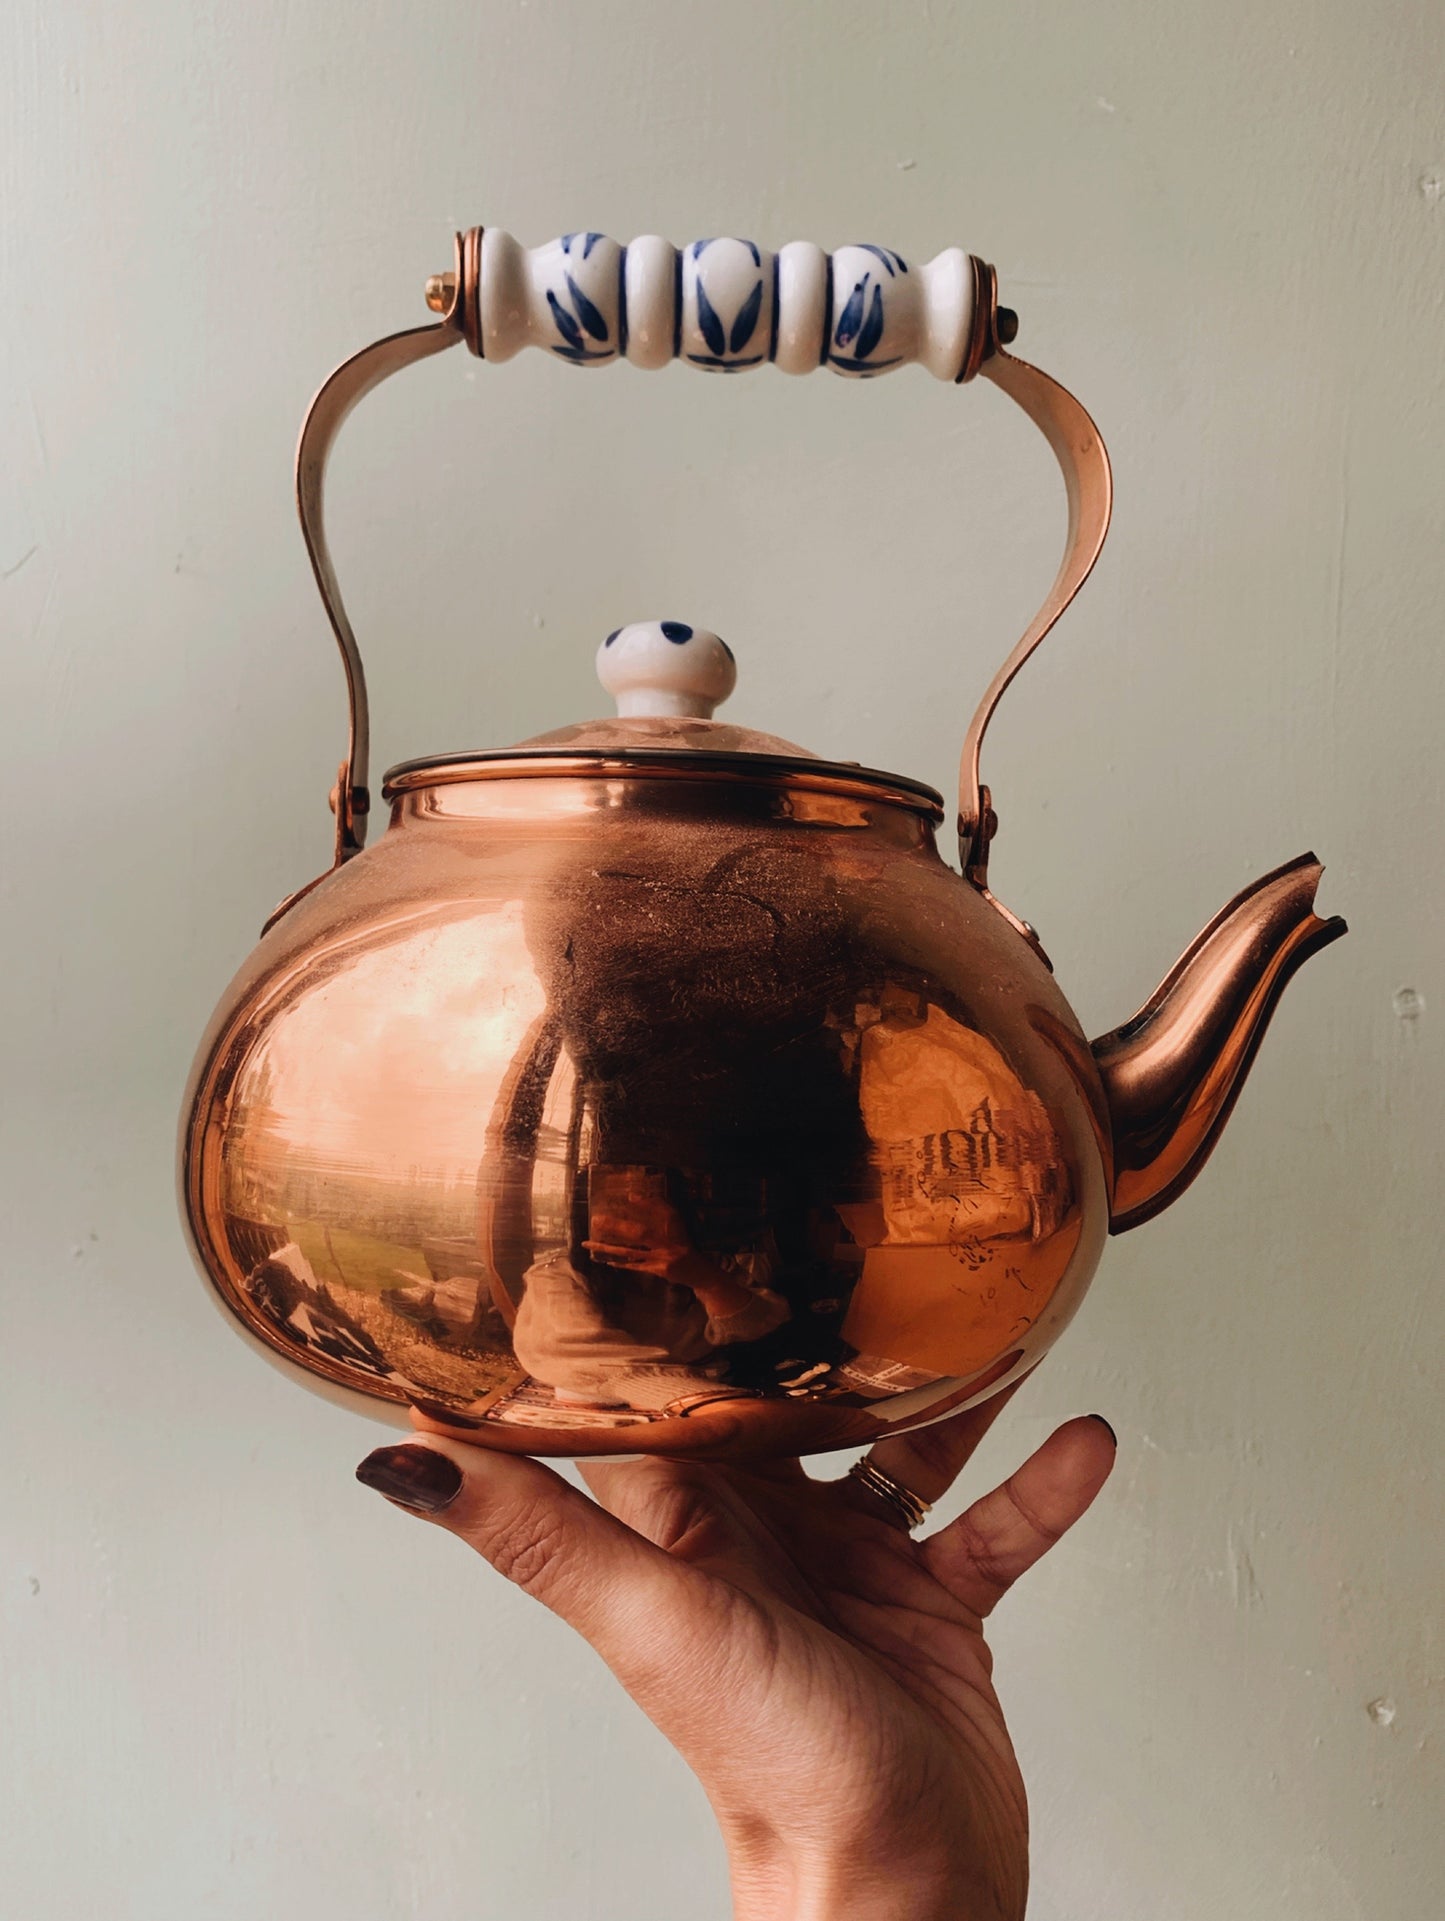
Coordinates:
(416,1477)
(1106,1427)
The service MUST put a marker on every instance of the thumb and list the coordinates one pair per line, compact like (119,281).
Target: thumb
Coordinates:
(606,1581)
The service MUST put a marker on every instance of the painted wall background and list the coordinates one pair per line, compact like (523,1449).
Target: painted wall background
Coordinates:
(234,1684)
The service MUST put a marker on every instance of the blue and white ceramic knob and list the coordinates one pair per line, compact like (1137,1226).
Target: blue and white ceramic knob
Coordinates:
(661,667)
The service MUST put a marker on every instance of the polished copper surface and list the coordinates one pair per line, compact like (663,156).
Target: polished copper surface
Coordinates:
(1172,1074)
(716,1111)
(798,776)
(687,1107)
(1088,484)
(654,1085)
(342,391)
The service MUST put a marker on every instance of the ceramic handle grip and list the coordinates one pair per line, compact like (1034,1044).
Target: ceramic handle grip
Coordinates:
(725,305)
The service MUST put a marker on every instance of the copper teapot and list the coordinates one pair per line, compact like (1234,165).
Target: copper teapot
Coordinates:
(654,1085)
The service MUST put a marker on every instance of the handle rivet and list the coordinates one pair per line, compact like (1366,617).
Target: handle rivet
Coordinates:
(441,291)
(1006,326)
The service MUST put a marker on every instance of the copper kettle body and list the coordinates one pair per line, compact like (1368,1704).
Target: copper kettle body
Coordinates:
(656,1086)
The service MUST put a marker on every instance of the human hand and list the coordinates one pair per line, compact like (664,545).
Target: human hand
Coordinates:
(824,1675)
(644,1232)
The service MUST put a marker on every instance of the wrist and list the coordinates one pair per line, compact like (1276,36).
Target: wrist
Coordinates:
(768,1885)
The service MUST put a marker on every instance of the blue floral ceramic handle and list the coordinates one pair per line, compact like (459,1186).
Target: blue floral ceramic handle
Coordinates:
(724,305)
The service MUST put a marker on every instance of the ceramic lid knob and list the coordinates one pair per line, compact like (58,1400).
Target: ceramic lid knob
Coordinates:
(657,667)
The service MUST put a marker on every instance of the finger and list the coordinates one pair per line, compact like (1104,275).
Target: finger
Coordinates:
(979,1556)
(543,1534)
(927,1462)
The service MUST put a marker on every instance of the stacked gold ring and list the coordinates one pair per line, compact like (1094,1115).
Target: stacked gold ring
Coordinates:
(901,1499)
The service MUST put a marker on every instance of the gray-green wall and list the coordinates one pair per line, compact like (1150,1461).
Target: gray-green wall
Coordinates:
(234,1684)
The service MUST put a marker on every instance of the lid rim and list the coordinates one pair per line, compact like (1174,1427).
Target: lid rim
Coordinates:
(699,763)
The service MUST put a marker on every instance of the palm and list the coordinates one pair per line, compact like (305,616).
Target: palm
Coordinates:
(825,1676)
(839,1634)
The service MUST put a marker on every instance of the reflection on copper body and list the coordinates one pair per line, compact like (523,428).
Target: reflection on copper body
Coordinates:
(645,1103)
(658,1088)
(588,1103)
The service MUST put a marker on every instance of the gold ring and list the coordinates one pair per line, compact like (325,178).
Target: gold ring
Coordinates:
(901,1499)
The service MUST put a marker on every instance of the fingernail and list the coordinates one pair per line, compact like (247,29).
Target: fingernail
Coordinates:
(420,1478)
(1106,1427)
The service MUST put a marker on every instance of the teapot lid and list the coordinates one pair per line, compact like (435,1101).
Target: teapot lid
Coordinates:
(666,677)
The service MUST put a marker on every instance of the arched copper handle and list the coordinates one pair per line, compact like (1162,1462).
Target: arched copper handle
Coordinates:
(1088,479)
(723,305)
(350,383)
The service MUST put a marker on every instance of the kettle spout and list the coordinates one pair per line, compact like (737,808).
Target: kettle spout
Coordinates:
(1172,1074)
